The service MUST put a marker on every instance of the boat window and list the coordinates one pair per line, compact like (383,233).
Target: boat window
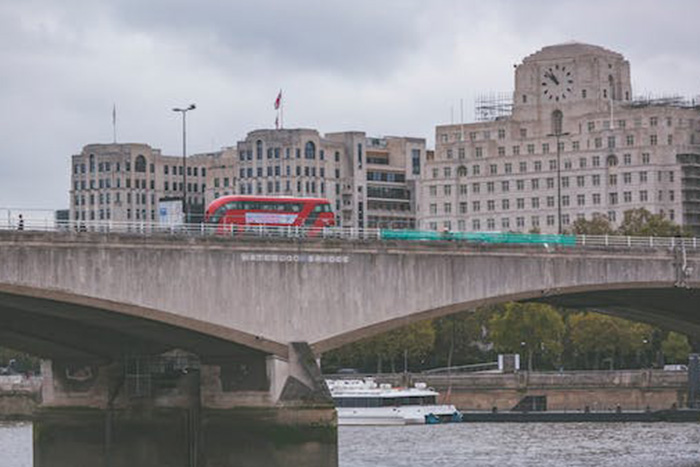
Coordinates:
(357,402)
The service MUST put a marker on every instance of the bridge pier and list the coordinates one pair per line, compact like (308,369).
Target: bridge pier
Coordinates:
(182,412)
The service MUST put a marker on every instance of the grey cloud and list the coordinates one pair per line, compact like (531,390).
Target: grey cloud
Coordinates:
(332,36)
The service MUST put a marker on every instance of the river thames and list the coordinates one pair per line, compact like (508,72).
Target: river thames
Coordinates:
(480,444)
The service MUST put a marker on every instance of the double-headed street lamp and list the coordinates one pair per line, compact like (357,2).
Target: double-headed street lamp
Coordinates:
(184,111)
(558,134)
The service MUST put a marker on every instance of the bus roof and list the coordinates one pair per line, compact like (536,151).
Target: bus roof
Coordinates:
(280,199)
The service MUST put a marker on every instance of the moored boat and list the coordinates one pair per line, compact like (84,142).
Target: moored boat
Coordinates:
(364,402)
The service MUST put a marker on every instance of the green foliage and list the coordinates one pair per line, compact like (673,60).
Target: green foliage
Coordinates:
(462,339)
(545,337)
(640,222)
(598,335)
(414,341)
(675,348)
(528,327)
(598,225)
(24,361)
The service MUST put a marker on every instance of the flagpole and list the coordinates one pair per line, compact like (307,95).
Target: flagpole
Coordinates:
(281,111)
(114,122)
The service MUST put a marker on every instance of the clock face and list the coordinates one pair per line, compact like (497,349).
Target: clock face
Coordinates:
(557,83)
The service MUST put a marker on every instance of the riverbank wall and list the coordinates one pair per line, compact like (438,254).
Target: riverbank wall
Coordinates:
(638,390)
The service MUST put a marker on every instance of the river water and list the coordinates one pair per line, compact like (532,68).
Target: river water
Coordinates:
(480,444)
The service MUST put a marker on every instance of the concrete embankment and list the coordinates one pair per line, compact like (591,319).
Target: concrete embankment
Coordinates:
(571,391)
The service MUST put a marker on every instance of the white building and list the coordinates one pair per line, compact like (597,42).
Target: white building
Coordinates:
(614,153)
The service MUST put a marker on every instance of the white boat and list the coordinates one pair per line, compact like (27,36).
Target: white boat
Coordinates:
(364,402)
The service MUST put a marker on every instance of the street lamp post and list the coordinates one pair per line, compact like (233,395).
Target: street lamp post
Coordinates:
(558,135)
(184,111)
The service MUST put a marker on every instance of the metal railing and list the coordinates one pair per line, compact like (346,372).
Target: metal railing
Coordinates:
(144,228)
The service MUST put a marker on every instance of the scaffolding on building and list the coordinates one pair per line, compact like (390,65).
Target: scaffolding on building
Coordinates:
(650,100)
(493,106)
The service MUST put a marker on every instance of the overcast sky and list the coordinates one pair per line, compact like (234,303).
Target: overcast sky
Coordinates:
(387,67)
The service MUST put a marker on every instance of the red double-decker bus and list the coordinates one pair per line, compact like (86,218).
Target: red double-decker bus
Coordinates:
(279,211)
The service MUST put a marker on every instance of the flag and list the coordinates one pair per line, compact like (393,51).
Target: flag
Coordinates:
(278,101)
(114,114)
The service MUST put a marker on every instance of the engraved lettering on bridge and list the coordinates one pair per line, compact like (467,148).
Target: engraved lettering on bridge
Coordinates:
(294,258)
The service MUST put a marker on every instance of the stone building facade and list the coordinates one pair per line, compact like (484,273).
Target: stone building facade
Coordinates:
(126,182)
(370,181)
(575,144)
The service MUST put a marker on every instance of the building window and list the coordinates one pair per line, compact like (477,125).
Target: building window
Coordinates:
(140,164)
(415,161)
(557,122)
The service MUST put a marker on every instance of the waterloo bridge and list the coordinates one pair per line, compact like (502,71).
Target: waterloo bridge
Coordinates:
(215,341)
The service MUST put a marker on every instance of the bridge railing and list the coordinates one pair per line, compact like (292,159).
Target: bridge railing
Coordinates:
(146,228)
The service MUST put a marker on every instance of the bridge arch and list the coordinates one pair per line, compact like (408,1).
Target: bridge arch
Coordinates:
(637,301)
(81,318)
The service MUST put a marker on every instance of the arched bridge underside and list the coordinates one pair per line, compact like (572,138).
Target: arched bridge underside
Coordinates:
(102,296)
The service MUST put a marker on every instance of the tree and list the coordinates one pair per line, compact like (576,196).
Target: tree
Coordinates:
(640,222)
(592,333)
(598,225)
(675,347)
(606,336)
(528,327)
(460,339)
(413,342)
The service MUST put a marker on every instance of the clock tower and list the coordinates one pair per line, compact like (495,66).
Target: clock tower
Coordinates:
(574,78)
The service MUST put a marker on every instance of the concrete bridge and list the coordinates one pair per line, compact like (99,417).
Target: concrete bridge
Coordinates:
(202,293)
(254,313)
